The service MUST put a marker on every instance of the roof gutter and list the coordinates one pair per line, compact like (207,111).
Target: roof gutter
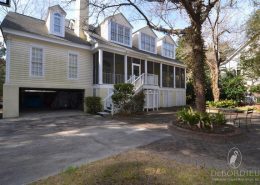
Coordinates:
(46,39)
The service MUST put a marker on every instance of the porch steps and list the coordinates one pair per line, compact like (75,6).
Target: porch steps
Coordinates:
(104,114)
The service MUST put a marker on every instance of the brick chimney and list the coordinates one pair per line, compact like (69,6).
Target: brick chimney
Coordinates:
(81,20)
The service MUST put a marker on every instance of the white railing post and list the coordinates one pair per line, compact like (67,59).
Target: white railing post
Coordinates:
(161,75)
(100,66)
(145,71)
(125,68)
(174,77)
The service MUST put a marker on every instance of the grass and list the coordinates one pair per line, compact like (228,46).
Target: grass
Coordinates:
(255,107)
(136,167)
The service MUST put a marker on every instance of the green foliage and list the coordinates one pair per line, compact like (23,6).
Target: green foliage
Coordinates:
(125,100)
(123,92)
(202,119)
(71,170)
(93,104)
(232,87)
(190,94)
(249,60)
(222,104)
(188,116)
(253,24)
(138,102)
(218,119)
(255,89)
(2,69)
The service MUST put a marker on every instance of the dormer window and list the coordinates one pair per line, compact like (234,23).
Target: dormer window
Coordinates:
(168,50)
(147,43)
(57,23)
(120,34)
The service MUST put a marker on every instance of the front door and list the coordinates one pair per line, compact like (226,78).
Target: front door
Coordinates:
(136,69)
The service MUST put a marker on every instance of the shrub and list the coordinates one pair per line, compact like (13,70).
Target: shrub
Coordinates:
(125,100)
(138,102)
(222,104)
(122,95)
(255,89)
(203,120)
(232,86)
(188,116)
(93,104)
(218,119)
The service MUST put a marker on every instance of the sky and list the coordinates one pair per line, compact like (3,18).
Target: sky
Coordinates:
(238,16)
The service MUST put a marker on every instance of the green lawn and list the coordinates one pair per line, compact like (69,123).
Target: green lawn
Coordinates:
(137,168)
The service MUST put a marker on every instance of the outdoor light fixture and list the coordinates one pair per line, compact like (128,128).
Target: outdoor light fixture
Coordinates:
(5,2)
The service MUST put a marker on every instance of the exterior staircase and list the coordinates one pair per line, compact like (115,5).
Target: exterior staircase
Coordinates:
(146,82)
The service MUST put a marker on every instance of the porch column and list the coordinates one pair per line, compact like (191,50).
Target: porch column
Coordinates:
(145,71)
(160,75)
(174,77)
(185,78)
(100,66)
(125,68)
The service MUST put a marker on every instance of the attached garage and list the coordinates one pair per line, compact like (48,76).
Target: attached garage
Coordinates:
(50,99)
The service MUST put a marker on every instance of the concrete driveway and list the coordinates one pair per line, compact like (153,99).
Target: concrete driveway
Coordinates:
(36,147)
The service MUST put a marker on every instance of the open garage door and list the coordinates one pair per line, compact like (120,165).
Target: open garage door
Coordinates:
(51,99)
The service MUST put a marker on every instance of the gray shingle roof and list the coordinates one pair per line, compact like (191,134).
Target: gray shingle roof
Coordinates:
(100,40)
(35,26)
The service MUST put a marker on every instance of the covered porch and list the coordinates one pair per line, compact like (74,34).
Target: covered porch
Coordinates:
(113,68)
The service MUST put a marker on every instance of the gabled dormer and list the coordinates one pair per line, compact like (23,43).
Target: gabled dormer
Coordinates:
(55,21)
(166,47)
(117,29)
(145,39)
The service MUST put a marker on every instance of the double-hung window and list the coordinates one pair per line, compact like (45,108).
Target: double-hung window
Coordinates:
(73,66)
(57,23)
(120,33)
(36,61)
(168,50)
(147,43)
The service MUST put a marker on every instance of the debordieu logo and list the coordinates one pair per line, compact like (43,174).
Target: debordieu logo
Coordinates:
(234,158)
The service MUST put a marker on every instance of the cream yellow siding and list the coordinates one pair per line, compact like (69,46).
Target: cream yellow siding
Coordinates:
(55,65)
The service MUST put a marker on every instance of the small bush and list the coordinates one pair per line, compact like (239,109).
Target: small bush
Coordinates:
(138,102)
(222,104)
(122,94)
(188,116)
(202,120)
(126,101)
(255,89)
(218,119)
(93,104)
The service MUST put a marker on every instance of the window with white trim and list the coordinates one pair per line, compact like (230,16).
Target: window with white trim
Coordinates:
(73,66)
(168,50)
(57,23)
(36,61)
(120,33)
(147,43)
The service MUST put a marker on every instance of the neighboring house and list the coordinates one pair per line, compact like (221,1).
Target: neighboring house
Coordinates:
(232,63)
(55,63)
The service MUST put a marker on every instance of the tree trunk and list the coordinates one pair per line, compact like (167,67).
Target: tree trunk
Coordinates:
(198,66)
(215,81)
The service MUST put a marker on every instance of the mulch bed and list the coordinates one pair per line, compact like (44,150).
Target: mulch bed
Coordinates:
(217,129)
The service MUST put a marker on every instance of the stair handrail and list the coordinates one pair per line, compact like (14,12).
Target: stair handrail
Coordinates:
(109,96)
(139,78)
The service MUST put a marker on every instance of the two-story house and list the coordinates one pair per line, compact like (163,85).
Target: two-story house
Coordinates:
(55,63)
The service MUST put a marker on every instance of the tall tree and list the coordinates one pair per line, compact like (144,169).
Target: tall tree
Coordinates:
(197,12)
(250,58)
